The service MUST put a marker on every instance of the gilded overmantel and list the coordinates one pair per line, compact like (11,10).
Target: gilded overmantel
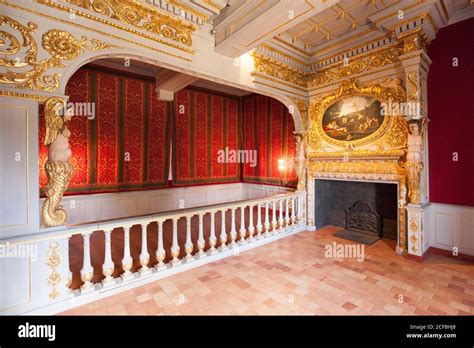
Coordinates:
(379,156)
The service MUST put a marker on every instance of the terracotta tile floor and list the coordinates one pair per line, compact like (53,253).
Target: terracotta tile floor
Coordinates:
(293,276)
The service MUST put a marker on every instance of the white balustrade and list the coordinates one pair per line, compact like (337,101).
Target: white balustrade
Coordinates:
(286,217)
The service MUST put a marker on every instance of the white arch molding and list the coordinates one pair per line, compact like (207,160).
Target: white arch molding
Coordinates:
(90,57)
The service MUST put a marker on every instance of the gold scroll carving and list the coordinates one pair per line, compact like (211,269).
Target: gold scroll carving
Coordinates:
(29,72)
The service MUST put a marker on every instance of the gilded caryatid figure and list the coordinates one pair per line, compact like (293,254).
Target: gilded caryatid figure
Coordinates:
(414,159)
(58,169)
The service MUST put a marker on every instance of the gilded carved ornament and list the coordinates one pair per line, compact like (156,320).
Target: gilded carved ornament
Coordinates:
(275,68)
(53,260)
(141,16)
(58,168)
(29,72)
(356,66)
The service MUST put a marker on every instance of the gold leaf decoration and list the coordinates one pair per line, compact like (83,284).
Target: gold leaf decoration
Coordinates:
(275,68)
(59,44)
(53,260)
(141,16)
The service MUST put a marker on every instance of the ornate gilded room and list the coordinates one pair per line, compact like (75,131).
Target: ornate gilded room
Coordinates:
(237,157)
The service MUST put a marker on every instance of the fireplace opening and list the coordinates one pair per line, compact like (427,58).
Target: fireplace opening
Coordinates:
(365,211)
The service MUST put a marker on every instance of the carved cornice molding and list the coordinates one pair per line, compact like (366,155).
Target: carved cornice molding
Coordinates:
(275,68)
(128,14)
(355,66)
(60,45)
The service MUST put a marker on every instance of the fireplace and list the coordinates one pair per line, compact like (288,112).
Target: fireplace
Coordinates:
(366,207)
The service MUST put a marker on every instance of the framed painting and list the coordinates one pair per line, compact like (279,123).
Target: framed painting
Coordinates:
(352,118)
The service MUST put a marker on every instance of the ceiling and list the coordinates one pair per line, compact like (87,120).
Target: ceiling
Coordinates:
(336,21)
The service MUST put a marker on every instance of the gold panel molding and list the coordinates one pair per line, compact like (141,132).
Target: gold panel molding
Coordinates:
(60,45)
(133,13)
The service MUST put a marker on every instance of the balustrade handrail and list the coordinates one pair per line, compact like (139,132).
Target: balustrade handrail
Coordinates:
(103,225)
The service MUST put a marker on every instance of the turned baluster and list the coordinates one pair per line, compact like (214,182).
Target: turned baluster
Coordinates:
(212,236)
(160,251)
(242,230)
(188,246)
(87,272)
(144,255)
(201,243)
(267,221)
(251,227)
(280,218)
(108,266)
(293,207)
(127,261)
(259,222)
(233,232)
(287,212)
(174,246)
(274,219)
(223,235)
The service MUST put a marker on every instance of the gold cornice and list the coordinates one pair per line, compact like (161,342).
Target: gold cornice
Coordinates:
(393,14)
(77,25)
(174,30)
(275,68)
(368,62)
(60,45)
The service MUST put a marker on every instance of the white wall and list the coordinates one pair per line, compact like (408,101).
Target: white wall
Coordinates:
(451,226)
(96,207)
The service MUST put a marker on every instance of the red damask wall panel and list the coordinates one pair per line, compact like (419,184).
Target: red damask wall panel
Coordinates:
(268,128)
(114,151)
(451,114)
(205,124)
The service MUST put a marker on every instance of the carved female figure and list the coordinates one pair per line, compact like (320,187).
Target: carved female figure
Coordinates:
(58,169)
(414,160)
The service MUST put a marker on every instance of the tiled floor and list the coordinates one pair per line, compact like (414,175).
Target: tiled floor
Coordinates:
(293,276)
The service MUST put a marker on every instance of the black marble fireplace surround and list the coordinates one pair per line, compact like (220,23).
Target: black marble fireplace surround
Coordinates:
(334,197)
